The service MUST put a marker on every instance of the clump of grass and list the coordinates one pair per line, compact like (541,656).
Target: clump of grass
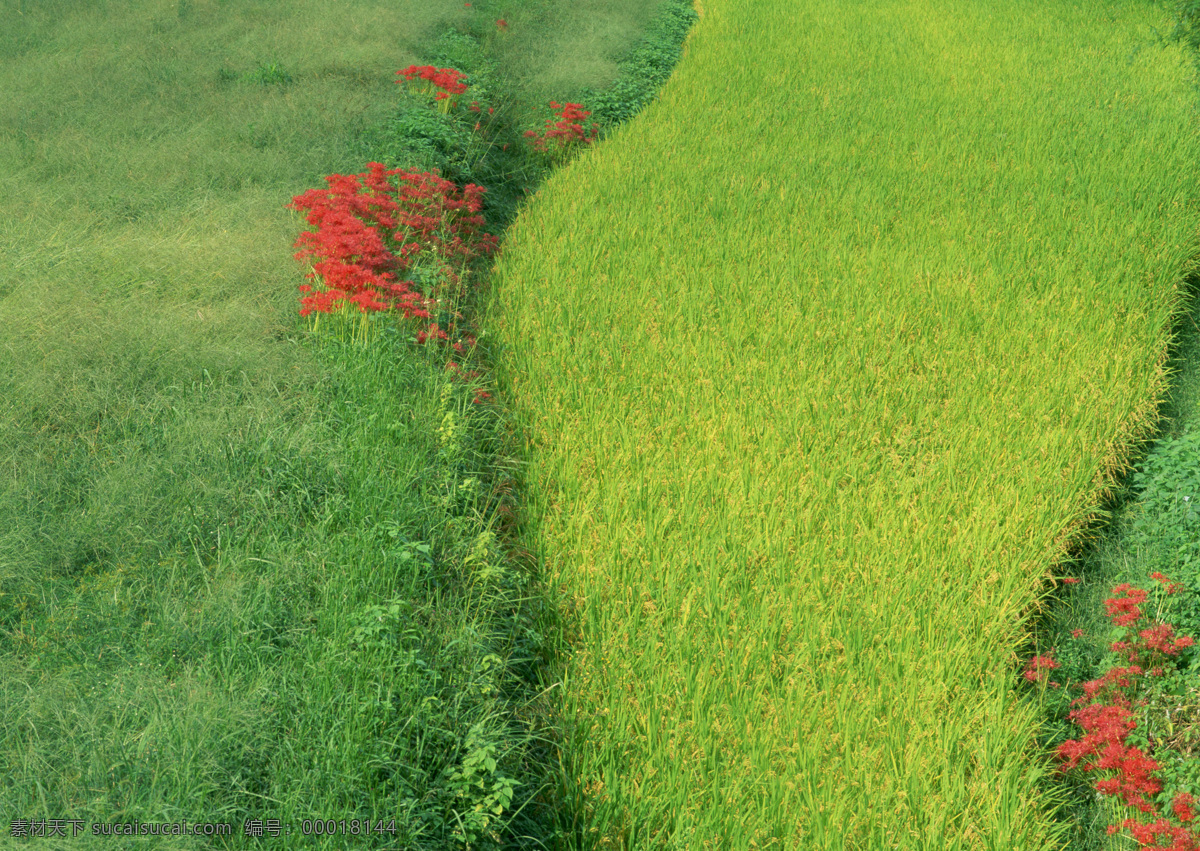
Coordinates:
(265,74)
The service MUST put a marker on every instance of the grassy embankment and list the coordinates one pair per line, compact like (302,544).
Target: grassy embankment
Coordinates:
(246,574)
(1151,530)
(826,362)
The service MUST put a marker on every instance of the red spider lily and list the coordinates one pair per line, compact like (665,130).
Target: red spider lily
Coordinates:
(443,83)
(368,229)
(1125,610)
(1172,587)
(1035,669)
(1149,835)
(502,24)
(566,133)
(1149,646)
(1159,638)
(1103,748)
(1113,680)
(448,80)
(1105,713)
(1182,807)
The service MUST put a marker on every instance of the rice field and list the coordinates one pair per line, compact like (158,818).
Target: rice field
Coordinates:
(825,363)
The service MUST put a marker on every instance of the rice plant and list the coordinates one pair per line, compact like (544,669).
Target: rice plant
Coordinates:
(826,361)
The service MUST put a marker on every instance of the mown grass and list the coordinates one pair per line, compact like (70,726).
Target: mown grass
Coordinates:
(826,362)
(246,572)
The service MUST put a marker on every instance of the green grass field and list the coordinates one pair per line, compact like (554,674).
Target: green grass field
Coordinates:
(246,573)
(808,379)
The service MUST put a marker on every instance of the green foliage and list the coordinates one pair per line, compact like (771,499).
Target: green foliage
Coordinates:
(1168,727)
(482,792)
(1165,525)
(1185,27)
(1170,491)
(645,68)
(424,140)
(462,50)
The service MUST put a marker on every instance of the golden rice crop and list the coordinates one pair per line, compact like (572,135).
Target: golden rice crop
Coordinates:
(825,360)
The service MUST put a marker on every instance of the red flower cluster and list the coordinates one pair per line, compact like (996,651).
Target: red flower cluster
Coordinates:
(1125,610)
(369,230)
(444,82)
(374,228)
(1172,587)
(566,133)
(1182,807)
(447,81)
(1158,639)
(1154,836)
(1104,711)
(1035,667)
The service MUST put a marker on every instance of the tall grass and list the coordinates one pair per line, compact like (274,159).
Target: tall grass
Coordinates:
(146,267)
(825,362)
(1152,529)
(247,573)
(205,524)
